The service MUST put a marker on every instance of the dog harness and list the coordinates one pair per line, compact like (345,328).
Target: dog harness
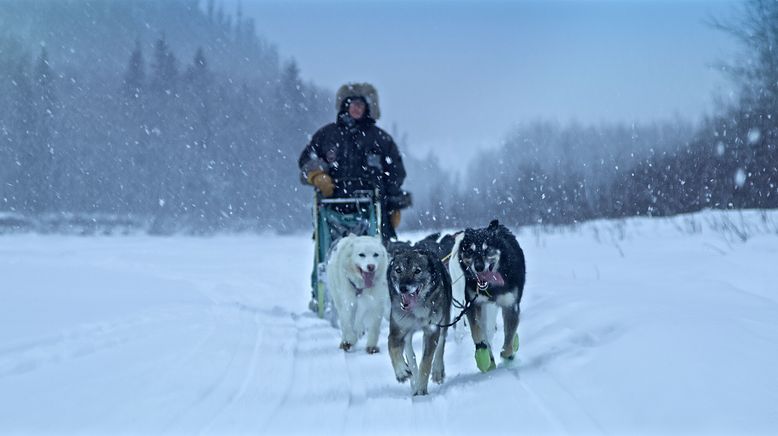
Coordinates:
(359,290)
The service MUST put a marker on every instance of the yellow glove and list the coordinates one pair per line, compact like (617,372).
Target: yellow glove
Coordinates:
(323,182)
(394,218)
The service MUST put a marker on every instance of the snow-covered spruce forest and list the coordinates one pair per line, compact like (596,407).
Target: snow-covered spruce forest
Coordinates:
(175,116)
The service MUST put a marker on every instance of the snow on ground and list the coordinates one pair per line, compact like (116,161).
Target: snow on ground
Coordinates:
(644,326)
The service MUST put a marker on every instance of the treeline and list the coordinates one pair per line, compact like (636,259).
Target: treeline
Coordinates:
(554,174)
(162,134)
(548,173)
(175,114)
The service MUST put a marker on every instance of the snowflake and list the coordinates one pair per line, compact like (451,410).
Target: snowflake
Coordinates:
(753,135)
(740,178)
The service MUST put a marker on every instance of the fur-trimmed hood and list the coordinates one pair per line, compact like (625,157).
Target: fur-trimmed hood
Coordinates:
(364,90)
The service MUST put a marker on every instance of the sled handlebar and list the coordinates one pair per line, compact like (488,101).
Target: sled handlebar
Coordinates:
(358,196)
(346,200)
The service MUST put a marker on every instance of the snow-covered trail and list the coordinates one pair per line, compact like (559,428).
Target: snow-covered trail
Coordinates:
(626,328)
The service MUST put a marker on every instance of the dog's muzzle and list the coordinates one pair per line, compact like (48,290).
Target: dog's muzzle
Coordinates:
(408,296)
(368,277)
(488,277)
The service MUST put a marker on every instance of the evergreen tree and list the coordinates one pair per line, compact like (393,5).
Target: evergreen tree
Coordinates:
(135,76)
(134,154)
(164,68)
(26,147)
(200,152)
(209,10)
(43,129)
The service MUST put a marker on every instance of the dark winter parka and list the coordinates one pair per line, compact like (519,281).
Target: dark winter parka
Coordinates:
(357,155)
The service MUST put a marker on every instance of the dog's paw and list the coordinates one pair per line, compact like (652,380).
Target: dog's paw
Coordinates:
(438,375)
(484,359)
(372,350)
(345,346)
(403,372)
(420,391)
(509,352)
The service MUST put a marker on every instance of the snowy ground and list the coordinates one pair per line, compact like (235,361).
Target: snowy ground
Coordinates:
(659,326)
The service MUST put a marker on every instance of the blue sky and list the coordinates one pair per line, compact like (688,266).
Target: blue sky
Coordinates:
(457,76)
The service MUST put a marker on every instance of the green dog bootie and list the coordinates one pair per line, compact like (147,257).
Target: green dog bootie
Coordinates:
(483,358)
(515,343)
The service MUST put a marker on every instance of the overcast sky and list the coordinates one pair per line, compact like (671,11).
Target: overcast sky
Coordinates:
(456,76)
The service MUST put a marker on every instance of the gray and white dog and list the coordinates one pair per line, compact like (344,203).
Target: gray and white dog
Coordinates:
(420,292)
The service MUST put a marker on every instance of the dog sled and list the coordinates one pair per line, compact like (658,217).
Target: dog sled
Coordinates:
(358,213)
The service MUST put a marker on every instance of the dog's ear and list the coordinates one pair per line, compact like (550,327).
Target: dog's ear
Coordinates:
(432,237)
(494,224)
(348,246)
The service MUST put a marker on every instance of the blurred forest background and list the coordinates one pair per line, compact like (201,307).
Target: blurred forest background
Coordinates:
(174,116)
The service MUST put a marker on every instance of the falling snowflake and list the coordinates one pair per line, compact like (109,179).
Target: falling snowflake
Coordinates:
(740,177)
(753,135)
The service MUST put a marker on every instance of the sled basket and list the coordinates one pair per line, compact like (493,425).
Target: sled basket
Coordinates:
(334,218)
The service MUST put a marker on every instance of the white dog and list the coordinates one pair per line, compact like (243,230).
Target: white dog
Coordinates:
(356,278)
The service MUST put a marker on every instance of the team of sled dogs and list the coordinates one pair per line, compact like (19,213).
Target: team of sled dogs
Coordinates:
(428,286)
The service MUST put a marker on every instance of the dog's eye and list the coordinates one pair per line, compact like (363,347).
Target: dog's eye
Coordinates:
(398,270)
(362,255)
(375,254)
(416,271)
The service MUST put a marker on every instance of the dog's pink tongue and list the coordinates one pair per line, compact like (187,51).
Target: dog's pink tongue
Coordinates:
(409,300)
(491,277)
(368,277)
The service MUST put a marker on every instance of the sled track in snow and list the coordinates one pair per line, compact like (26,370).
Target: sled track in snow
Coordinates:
(247,376)
(211,388)
(81,342)
(568,416)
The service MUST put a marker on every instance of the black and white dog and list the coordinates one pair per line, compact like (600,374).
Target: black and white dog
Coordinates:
(493,266)
(420,293)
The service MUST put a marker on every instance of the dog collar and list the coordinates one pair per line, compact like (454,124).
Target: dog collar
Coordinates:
(483,287)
